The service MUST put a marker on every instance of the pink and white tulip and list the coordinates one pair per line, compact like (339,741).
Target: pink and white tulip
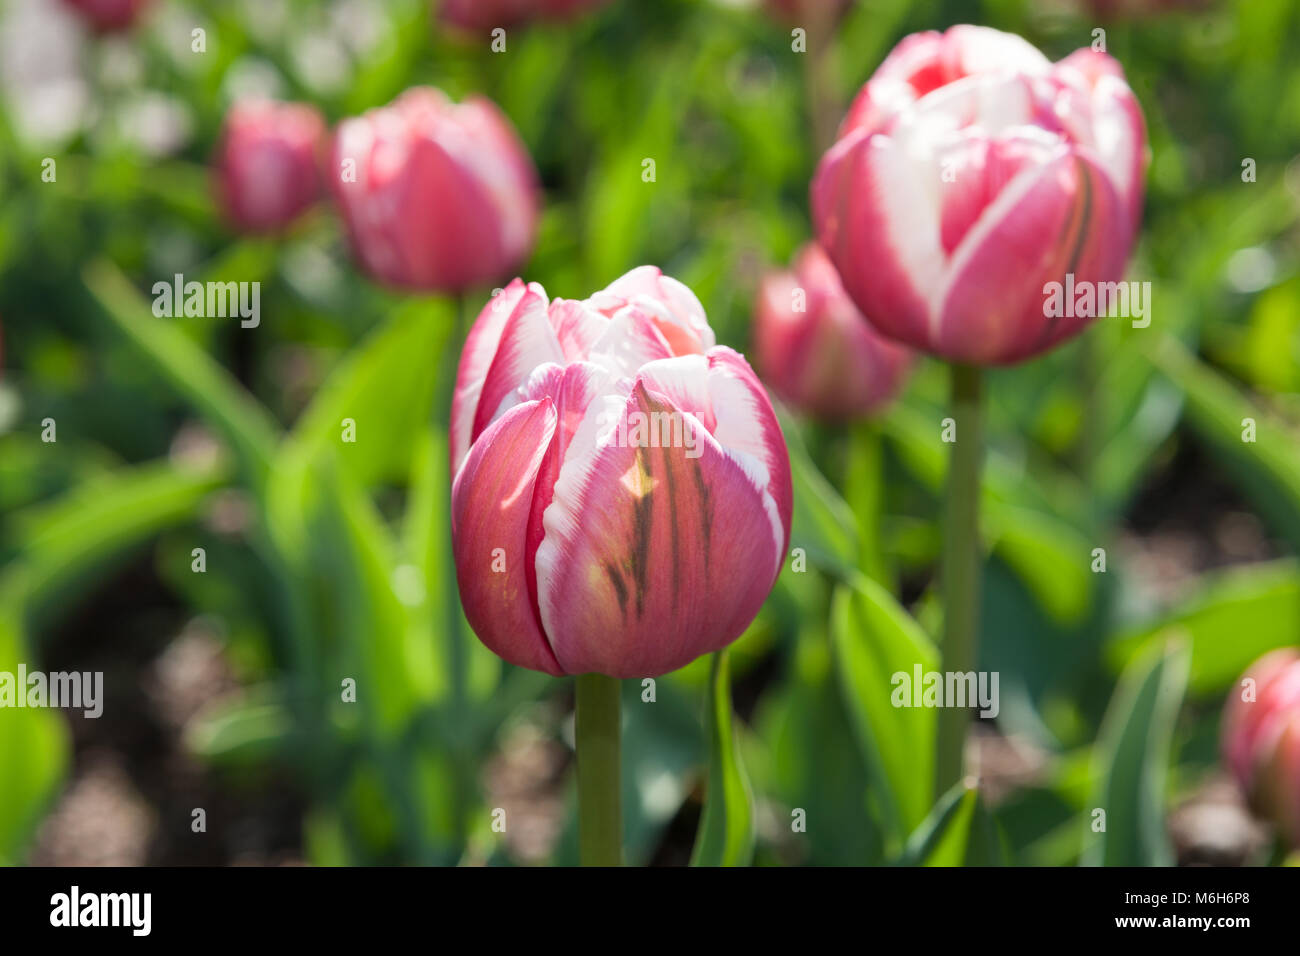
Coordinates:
(1261,739)
(267,164)
(815,349)
(436,196)
(107,16)
(969,174)
(488,14)
(621,499)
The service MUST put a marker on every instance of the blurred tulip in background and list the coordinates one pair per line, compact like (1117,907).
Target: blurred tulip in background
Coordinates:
(268,163)
(488,14)
(815,349)
(1261,739)
(104,16)
(437,196)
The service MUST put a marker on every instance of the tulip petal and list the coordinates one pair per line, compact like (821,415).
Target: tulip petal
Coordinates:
(1060,218)
(631,338)
(476,358)
(1109,121)
(527,341)
(492,505)
(880,225)
(749,431)
(651,557)
(577,327)
(672,306)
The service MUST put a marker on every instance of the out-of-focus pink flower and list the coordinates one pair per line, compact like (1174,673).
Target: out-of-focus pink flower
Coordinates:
(1131,9)
(622,499)
(1261,739)
(104,16)
(267,164)
(970,173)
(805,11)
(437,196)
(815,349)
(487,14)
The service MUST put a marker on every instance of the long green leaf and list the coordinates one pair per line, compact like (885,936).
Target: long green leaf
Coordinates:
(726,835)
(959,831)
(63,540)
(1132,757)
(34,747)
(211,390)
(875,639)
(823,525)
(1231,618)
(386,388)
(1268,468)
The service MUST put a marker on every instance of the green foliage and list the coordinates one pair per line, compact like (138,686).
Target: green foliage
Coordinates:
(338,568)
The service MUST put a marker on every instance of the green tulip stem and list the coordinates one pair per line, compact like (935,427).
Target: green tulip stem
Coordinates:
(960,566)
(600,814)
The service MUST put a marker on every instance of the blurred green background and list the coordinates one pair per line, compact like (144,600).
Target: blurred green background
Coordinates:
(327,561)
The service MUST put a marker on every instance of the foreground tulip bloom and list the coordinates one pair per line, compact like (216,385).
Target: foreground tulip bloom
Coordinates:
(487,14)
(815,349)
(436,196)
(970,173)
(267,164)
(1261,739)
(622,499)
(106,16)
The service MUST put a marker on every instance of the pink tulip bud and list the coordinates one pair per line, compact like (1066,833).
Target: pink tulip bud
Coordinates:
(1261,738)
(267,163)
(436,196)
(105,16)
(622,499)
(488,14)
(970,174)
(816,350)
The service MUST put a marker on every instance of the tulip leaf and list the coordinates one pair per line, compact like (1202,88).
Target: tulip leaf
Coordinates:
(875,639)
(385,388)
(249,730)
(63,540)
(726,834)
(34,747)
(1259,451)
(1232,618)
(806,730)
(959,831)
(370,603)
(227,408)
(823,524)
(1131,761)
